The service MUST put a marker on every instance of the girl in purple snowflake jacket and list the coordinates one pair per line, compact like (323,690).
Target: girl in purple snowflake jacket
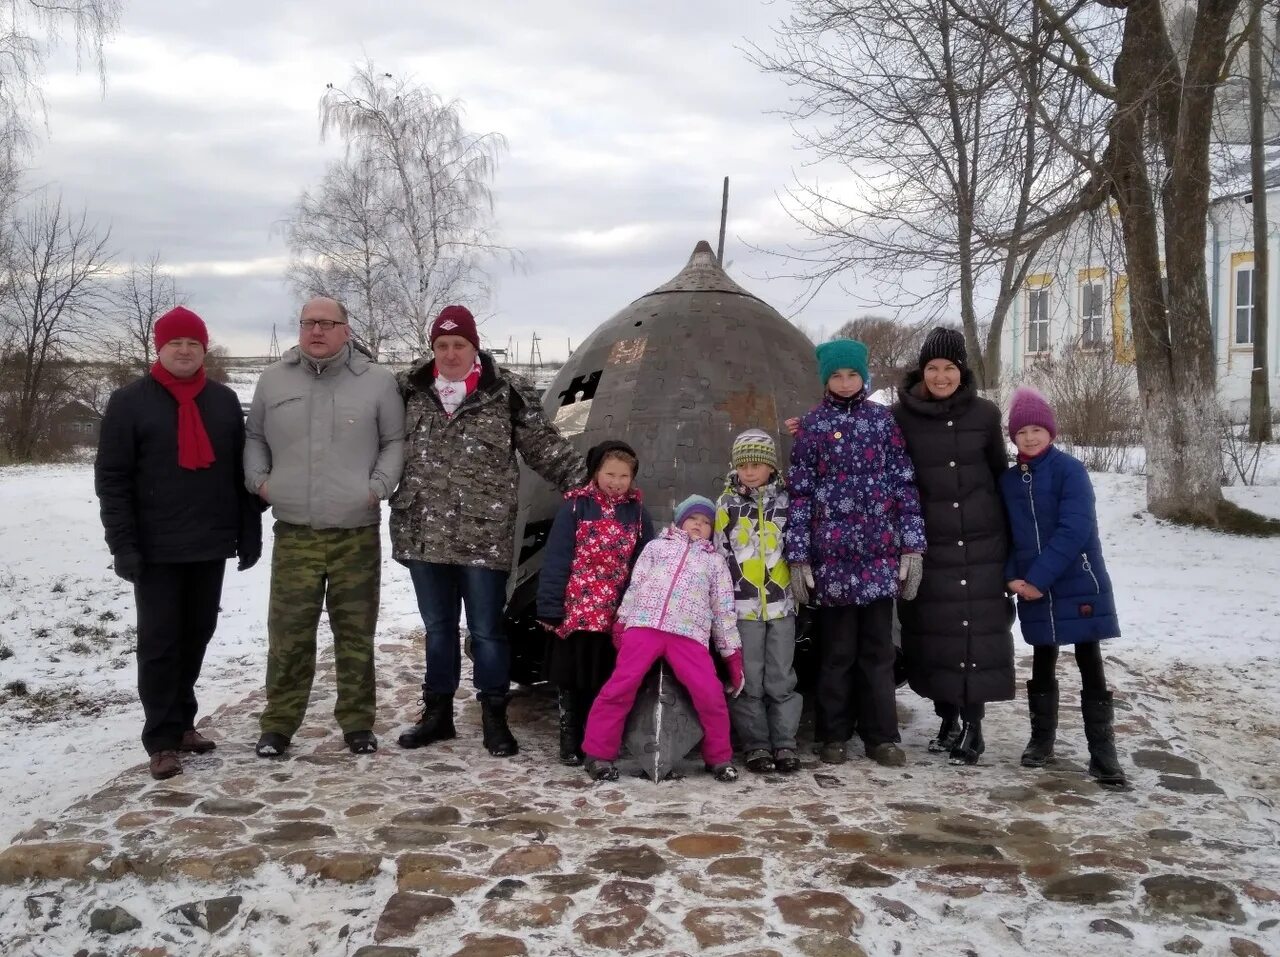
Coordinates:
(854,544)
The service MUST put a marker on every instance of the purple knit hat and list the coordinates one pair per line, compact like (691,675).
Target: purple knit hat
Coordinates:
(1029,407)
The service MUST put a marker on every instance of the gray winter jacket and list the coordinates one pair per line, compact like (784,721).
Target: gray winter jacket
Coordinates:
(326,436)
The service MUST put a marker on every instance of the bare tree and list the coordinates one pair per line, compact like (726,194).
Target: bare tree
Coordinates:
(1259,387)
(29,30)
(341,238)
(144,293)
(951,154)
(1154,165)
(407,221)
(57,277)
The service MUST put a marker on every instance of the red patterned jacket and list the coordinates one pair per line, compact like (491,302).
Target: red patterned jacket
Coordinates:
(593,545)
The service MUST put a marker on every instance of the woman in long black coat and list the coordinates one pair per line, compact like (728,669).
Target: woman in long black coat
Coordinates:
(956,636)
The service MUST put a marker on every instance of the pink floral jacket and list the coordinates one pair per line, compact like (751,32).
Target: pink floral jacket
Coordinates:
(683,587)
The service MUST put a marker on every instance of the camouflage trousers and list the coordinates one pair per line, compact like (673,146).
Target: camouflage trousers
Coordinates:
(337,568)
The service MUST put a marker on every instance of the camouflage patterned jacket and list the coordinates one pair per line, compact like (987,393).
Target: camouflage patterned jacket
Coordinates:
(456,503)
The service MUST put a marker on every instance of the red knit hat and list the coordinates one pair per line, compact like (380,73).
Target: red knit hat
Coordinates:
(180,323)
(1029,407)
(455,321)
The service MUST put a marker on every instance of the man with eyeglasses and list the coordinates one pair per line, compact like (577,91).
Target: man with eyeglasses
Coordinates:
(324,446)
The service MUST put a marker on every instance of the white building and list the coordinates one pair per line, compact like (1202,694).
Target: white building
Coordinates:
(1077,297)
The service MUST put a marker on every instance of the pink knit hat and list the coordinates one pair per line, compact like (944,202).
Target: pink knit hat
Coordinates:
(1029,407)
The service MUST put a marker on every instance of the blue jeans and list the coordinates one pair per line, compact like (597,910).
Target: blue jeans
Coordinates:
(442,590)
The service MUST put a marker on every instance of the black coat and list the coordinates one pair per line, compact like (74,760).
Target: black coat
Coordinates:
(153,507)
(956,634)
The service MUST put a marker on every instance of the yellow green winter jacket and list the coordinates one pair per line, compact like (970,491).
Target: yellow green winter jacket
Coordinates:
(750,528)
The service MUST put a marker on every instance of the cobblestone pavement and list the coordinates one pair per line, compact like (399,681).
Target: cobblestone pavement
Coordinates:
(448,851)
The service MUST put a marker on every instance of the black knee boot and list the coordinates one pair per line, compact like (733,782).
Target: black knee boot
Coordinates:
(498,739)
(969,746)
(434,724)
(1099,731)
(949,733)
(1042,702)
(570,728)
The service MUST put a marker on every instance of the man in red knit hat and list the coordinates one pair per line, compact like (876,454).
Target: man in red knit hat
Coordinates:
(453,517)
(168,478)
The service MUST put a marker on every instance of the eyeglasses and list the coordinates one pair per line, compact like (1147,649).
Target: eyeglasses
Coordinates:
(326,325)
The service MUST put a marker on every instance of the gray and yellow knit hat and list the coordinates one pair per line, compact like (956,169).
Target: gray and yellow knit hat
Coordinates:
(752,447)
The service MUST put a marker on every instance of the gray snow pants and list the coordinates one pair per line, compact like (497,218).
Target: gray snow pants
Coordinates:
(767,713)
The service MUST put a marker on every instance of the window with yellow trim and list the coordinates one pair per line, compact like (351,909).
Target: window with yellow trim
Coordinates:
(1037,320)
(1244,314)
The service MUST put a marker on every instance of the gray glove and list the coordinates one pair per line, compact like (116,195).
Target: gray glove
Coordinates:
(802,583)
(910,570)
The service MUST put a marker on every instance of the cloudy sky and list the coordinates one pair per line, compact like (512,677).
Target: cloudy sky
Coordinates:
(621,121)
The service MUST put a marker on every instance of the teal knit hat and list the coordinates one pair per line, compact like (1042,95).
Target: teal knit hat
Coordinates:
(695,505)
(842,354)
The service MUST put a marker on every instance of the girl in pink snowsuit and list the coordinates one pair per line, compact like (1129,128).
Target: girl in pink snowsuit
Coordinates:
(680,594)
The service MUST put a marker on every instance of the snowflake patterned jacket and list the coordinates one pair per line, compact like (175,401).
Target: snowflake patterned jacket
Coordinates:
(750,525)
(854,504)
(593,544)
(683,587)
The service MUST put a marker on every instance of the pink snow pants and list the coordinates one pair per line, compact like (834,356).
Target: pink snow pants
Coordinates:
(692,664)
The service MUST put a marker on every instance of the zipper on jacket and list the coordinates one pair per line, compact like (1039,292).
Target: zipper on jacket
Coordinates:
(662,619)
(1029,482)
(1084,559)
(764,587)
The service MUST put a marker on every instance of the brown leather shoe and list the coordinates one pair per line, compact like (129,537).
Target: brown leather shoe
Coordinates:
(196,743)
(165,764)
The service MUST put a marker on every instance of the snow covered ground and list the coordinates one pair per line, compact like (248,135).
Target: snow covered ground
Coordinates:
(1200,659)
(1199,611)
(68,705)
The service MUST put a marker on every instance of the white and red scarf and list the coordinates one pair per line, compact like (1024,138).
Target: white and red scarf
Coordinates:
(452,393)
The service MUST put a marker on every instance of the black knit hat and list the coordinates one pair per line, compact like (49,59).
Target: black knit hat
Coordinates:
(944,343)
(596,454)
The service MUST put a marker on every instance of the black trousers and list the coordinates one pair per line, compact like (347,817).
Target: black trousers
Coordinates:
(968,712)
(855,674)
(1093,680)
(177,613)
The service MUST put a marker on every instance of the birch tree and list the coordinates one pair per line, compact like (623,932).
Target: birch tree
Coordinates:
(419,234)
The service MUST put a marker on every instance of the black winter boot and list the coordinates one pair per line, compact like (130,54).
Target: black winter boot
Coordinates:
(1099,731)
(970,745)
(570,729)
(1042,702)
(498,739)
(947,736)
(434,724)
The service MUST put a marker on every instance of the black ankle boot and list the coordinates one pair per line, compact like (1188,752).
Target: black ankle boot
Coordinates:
(498,739)
(947,735)
(434,724)
(1099,731)
(1042,702)
(570,729)
(969,747)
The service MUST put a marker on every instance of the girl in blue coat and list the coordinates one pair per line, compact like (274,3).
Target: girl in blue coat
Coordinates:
(1055,569)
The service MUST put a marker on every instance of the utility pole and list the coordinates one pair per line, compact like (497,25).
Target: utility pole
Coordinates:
(273,350)
(724,216)
(535,353)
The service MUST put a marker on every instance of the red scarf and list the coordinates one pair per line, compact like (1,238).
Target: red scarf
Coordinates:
(450,396)
(195,451)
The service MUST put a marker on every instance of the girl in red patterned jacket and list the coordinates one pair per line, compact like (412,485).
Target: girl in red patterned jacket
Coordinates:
(594,542)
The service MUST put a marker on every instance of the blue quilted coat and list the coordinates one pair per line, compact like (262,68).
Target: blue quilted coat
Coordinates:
(1056,548)
(854,504)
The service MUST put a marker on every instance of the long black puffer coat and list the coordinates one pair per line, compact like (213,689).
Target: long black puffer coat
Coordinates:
(956,634)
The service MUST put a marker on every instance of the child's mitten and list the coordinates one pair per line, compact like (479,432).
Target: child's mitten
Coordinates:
(910,570)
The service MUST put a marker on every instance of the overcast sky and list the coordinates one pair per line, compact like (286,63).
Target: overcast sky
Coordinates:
(621,120)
